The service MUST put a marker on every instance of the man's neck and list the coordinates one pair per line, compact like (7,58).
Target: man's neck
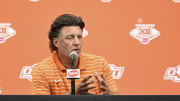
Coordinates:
(66,61)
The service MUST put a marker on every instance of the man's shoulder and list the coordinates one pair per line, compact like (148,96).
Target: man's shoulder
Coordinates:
(89,56)
(45,63)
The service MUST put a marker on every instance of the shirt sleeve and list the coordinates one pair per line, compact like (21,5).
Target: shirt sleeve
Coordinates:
(109,78)
(40,84)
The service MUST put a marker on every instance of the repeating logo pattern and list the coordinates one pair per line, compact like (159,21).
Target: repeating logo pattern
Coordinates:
(85,33)
(144,33)
(176,1)
(6,32)
(33,0)
(106,0)
(116,71)
(173,73)
(0,91)
(26,72)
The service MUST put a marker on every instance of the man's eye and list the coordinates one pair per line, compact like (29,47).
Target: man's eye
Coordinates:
(70,37)
(79,36)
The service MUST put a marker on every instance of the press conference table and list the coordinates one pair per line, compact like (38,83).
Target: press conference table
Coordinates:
(89,98)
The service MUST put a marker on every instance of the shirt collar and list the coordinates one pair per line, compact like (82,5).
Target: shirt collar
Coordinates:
(82,62)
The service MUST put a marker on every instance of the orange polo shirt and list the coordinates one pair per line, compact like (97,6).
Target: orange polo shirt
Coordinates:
(49,75)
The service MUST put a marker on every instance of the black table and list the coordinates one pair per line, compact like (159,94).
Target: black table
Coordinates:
(89,98)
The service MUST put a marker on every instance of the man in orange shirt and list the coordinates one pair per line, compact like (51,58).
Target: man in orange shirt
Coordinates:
(49,76)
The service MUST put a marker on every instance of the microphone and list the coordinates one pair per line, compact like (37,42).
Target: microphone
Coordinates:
(73,55)
(73,73)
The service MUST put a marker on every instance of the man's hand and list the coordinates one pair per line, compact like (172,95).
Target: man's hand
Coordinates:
(83,87)
(103,85)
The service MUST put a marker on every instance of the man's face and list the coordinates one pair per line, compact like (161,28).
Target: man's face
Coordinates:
(70,39)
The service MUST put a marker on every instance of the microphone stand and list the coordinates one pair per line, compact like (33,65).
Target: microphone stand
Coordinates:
(73,79)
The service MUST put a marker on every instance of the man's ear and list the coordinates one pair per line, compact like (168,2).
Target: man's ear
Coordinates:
(56,42)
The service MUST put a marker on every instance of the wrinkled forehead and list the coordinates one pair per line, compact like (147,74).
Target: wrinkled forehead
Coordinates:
(71,30)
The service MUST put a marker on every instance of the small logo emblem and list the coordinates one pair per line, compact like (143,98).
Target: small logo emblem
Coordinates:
(85,33)
(176,1)
(26,72)
(73,73)
(116,71)
(173,73)
(6,32)
(56,81)
(144,33)
(33,0)
(106,0)
(0,91)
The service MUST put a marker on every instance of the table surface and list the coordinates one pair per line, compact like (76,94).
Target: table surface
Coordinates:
(89,98)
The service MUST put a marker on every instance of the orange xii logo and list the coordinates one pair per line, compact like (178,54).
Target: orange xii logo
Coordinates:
(6,32)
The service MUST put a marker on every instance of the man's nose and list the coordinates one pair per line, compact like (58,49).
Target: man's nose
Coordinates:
(76,41)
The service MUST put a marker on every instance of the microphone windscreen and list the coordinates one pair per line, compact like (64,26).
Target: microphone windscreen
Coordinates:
(73,54)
